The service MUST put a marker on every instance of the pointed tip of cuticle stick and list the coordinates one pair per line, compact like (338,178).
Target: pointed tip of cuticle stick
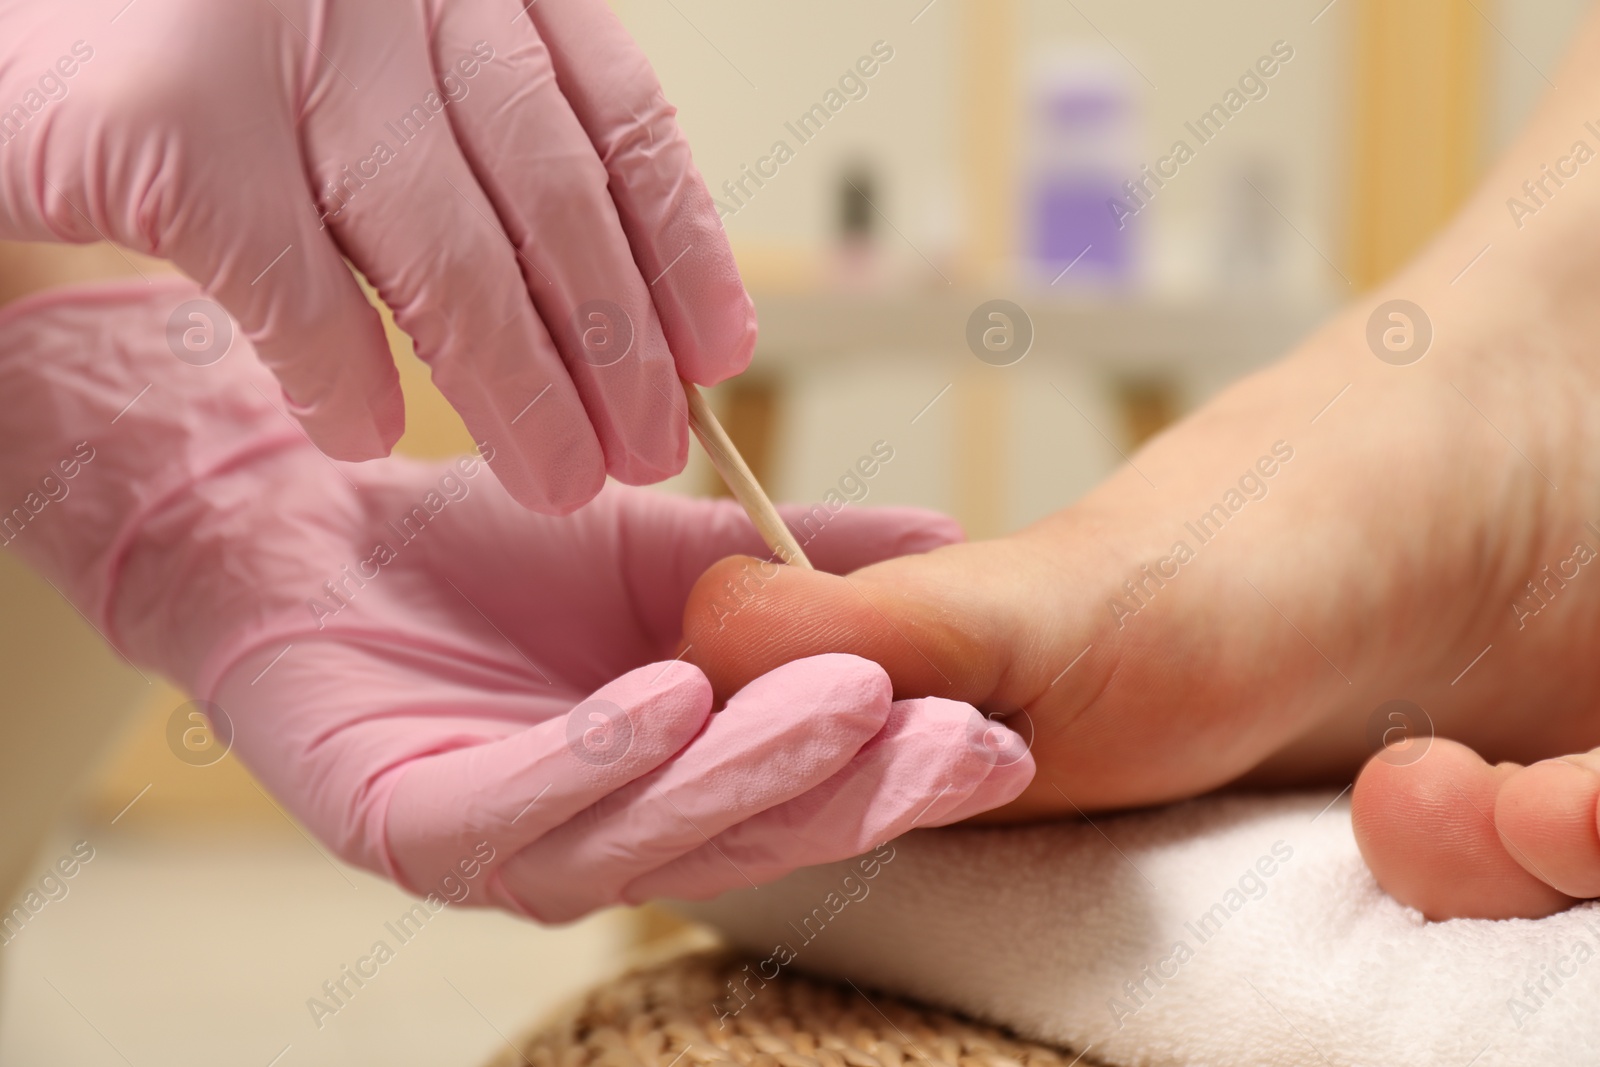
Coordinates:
(735,473)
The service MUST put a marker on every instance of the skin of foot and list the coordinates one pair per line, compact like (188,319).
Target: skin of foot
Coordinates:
(1239,604)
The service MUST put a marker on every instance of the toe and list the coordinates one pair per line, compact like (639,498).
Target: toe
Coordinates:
(735,635)
(1426,828)
(1546,817)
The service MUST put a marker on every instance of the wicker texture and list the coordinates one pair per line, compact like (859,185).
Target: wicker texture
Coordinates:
(680,1015)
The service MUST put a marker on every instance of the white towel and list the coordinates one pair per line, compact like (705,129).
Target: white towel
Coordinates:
(1227,932)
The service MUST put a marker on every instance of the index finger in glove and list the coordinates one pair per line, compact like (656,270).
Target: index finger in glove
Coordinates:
(778,738)
(552,194)
(513,791)
(934,763)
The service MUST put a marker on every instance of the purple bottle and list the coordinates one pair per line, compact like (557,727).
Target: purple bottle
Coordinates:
(1080,135)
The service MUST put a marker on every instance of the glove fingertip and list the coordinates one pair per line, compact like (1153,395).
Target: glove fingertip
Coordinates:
(1004,783)
(932,530)
(854,537)
(355,432)
(556,482)
(660,687)
(985,763)
(834,686)
(742,345)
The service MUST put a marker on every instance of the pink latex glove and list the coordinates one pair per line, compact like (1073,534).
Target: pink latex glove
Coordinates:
(493,693)
(507,175)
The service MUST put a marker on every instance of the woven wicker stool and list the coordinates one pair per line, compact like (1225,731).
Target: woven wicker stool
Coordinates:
(680,1015)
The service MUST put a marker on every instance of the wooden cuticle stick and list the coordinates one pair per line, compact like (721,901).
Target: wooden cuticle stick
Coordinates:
(736,475)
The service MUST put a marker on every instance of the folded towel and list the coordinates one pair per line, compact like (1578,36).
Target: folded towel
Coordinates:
(1234,931)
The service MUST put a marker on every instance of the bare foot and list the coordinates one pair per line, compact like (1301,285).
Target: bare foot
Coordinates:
(1373,554)
(1348,527)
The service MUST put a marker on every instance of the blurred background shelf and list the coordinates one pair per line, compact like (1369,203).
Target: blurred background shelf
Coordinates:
(1230,335)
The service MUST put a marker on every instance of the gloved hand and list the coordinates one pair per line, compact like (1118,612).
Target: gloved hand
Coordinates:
(507,175)
(434,679)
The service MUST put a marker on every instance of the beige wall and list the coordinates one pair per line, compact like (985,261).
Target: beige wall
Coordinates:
(912,120)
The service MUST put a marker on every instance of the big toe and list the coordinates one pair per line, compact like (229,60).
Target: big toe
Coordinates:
(1427,830)
(738,630)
